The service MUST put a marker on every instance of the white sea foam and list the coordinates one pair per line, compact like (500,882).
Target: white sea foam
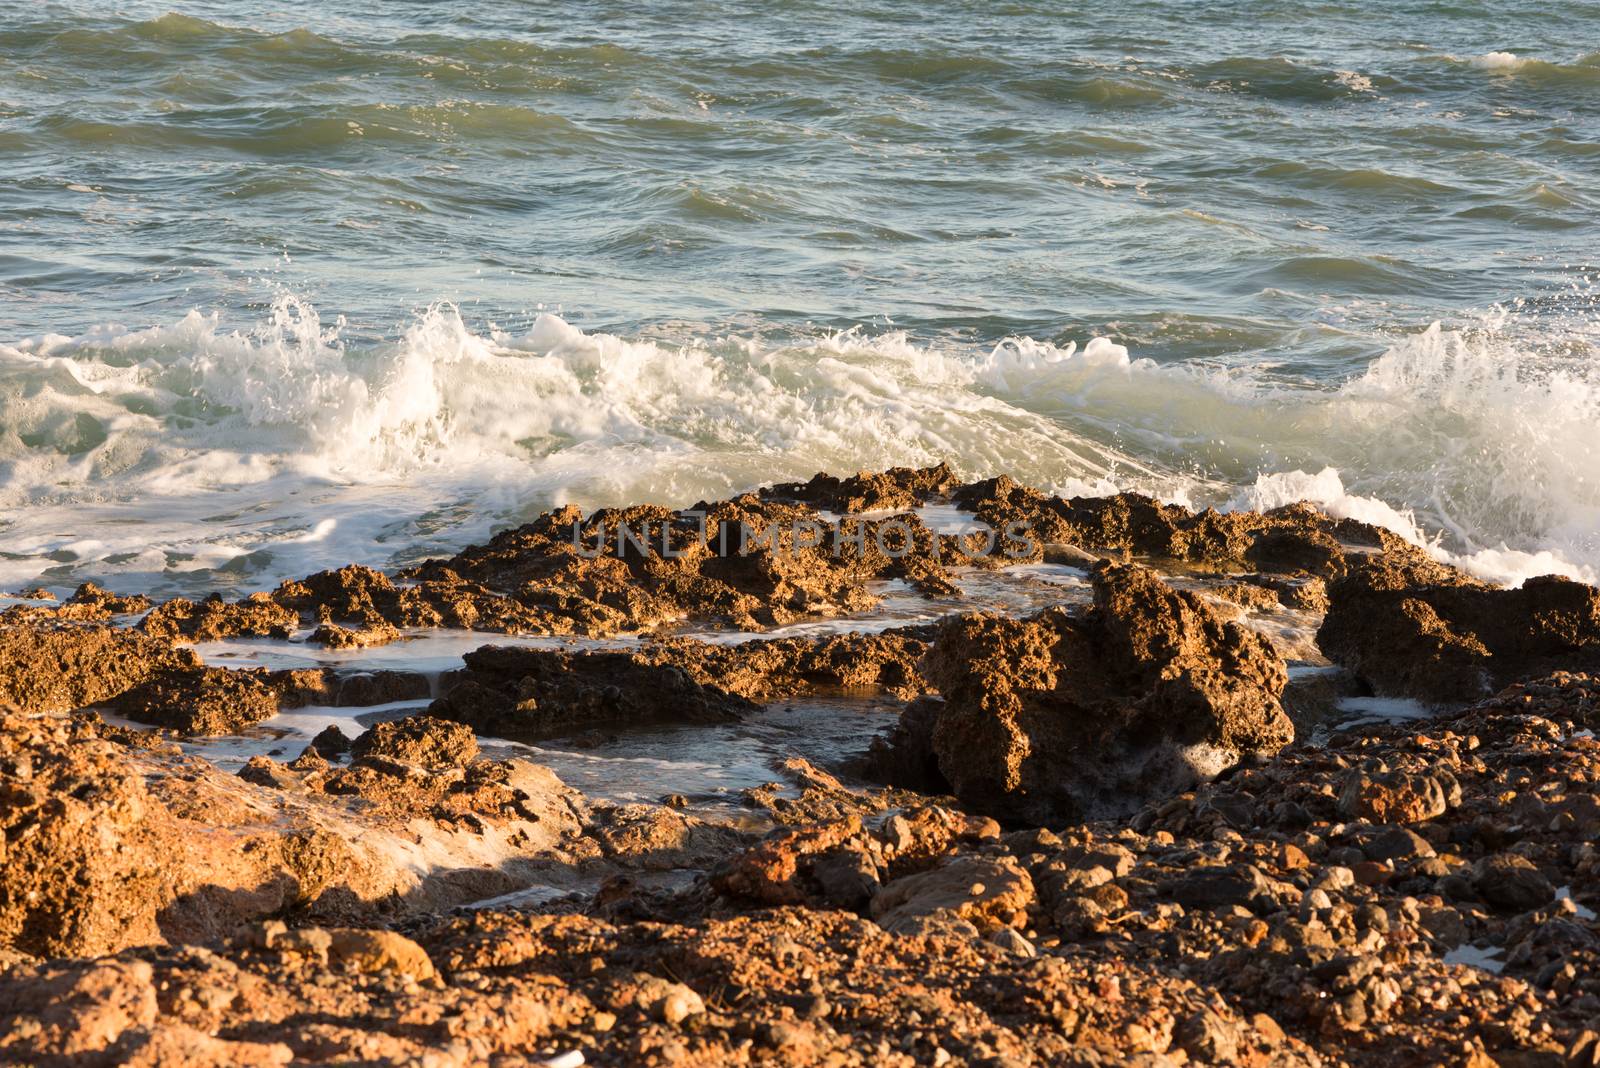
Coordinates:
(194,450)
(1500,61)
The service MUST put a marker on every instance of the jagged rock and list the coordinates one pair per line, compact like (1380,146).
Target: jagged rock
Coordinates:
(89,604)
(533,693)
(214,619)
(56,668)
(1414,628)
(422,740)
(335,636)
(1294,539)
(765,670)
(201,700)
(897,488)
(1061,715)
(904,755)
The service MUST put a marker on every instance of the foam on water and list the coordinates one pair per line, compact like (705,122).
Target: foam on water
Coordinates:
(195,454)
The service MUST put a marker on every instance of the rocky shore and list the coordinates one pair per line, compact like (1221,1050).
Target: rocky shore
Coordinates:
(1141,813)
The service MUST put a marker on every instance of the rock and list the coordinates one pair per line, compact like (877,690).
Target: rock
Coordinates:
(264,771)
(331,742)
(1399,844)
(1392,797)
(1294,539)
(336,636)
(765,670)
(74,1009)
(382,688)
(1059,716)
(1009,939)
(1511,882)
(1219,887)
(777,870)
(201,701)
(213,619)
(904,756)
(379,951)
(422,740)
(57,668)
(671,1003)
(535,693)
(987,893)
(1208,1037)
(80,869)
(897,488)
(1414,628)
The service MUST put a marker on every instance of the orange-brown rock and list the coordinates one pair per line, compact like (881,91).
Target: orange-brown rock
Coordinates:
(1062,715)
(54,667)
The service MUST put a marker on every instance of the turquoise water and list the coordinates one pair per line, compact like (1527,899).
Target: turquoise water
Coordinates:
(291,284)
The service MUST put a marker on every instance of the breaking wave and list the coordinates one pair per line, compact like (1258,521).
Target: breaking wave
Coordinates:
(193,453)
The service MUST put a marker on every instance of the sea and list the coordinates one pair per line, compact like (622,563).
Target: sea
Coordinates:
(286,285)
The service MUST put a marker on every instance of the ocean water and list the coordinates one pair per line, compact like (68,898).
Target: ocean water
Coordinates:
(286,285)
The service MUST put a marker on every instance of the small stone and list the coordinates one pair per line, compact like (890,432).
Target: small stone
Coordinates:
(1009,939)
(1371,873)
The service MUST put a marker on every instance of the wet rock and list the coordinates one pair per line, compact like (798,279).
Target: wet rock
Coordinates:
(904,755)
(90,604)
(988,893)
(536,693)
(56,668)
(770,669)
(336,636)
(898,488)
(382,688)
(331,742)
(80,872)
(300,687)
(1296,539)
(264,771)
(257,616)
(201,701)
(1513,882)
(1060,715)
(1414,628)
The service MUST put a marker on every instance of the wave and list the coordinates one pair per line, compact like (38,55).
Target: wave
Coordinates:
(221,455)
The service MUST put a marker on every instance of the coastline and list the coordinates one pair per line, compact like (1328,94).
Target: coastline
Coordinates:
(1104,799)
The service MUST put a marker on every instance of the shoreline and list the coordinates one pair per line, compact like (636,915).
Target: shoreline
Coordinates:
(1096,800)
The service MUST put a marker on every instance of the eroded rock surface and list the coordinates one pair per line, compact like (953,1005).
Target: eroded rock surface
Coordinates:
(1057,716)
(1418,629)
(58,667)
(533,693)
